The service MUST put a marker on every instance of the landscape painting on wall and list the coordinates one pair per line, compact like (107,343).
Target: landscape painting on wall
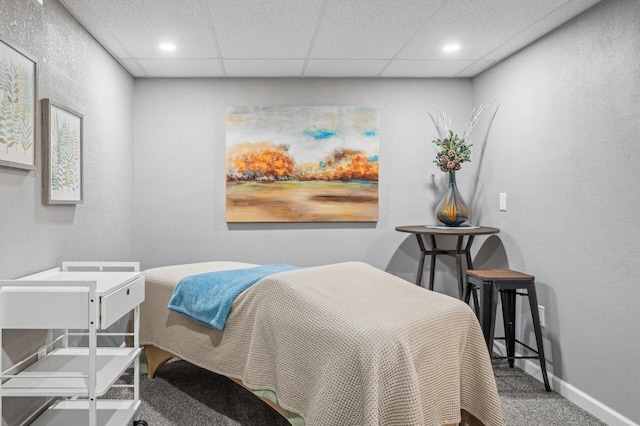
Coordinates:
(302,164)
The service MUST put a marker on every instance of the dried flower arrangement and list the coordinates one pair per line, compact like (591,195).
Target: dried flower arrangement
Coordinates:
(455,150)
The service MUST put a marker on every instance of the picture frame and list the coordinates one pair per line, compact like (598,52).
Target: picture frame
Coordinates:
(18,95)
(302,164)
(63,138)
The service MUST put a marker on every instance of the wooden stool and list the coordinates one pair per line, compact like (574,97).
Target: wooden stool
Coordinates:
(507,282)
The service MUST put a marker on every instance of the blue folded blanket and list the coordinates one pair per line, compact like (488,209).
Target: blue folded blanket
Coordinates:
(207,298)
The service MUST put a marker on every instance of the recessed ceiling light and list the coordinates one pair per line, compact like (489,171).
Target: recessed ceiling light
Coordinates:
(451,48)
(167,47)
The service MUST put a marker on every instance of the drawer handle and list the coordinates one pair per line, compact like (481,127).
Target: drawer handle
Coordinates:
(128,291)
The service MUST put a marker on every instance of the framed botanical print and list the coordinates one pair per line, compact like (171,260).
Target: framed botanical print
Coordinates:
(18,94)
(62,136)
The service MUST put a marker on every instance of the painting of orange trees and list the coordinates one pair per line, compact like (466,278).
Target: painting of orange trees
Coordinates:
(302,164)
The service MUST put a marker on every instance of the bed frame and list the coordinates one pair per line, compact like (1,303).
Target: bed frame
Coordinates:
(157,357)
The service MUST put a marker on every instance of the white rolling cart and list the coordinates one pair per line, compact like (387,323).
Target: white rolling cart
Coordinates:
(80,295)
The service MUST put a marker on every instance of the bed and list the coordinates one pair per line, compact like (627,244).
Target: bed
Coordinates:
(340,344)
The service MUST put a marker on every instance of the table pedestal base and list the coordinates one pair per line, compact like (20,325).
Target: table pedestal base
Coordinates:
(462,250)
(458,253)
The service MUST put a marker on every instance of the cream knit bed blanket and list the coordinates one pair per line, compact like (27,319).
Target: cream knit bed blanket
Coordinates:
(342,344)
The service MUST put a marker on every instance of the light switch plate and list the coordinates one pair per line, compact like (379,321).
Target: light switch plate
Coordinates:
(503,201)
(543,321)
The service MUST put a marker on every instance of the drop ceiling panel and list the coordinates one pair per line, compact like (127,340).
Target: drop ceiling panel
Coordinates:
(318,38)
(370,29)
(144,24)
(478,26)
(271,29)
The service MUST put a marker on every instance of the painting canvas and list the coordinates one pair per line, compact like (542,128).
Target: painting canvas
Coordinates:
(17,108)
(302,164)
(62,136)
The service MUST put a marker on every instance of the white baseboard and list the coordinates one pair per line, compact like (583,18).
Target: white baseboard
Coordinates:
(573,394)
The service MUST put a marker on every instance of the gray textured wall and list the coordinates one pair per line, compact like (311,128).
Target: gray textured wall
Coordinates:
(563,146)
(180,171)
(565,149)
(76,72)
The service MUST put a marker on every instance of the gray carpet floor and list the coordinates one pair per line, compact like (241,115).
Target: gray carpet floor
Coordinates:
(183,394)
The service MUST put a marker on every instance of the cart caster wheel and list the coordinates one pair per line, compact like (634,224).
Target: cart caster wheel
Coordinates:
(140,423)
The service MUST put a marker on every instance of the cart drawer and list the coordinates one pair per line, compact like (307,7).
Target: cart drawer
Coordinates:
(44,307)
(118,303)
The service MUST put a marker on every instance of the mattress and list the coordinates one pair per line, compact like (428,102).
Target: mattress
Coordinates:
(339,344)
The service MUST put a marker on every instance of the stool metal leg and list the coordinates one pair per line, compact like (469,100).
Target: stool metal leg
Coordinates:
(533,303)
(476,302)
(493,290)
(508,298)
(488,305)
(471,289)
